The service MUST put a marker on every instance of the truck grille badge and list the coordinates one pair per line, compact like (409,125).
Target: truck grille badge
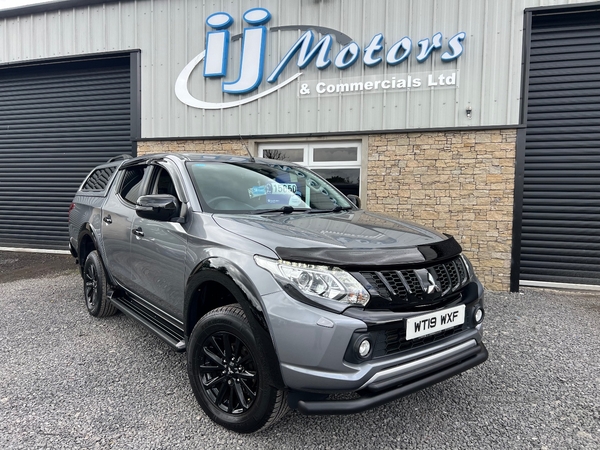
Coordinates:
(433,285)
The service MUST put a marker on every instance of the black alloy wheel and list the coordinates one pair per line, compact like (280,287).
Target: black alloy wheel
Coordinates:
(95,287)
(90,280)
(228,373)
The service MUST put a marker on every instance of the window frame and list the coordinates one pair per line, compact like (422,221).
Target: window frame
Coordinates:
(308,155)
(143,183)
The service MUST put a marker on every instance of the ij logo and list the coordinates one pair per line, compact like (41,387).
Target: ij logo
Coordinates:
(252,63)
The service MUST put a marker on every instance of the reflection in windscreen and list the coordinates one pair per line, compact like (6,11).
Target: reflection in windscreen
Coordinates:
(247,187)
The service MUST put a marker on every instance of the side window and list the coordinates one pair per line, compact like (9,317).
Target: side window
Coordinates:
(132,183)
(163,184)
(98,179)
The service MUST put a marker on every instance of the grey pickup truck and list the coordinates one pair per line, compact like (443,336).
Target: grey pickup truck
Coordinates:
(282,290)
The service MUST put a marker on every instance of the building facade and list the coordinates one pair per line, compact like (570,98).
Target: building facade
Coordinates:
(477,117)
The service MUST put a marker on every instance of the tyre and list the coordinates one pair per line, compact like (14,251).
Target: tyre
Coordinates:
(94,287)
(233,388)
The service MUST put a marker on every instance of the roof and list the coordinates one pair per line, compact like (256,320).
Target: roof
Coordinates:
(37,8)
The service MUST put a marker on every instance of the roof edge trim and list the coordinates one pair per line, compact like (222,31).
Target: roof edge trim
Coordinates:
(39,8)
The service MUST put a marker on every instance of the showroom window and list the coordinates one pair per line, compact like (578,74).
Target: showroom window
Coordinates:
(337,162)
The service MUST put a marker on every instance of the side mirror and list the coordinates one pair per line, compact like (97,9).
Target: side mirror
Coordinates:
(354,199)
(162,207)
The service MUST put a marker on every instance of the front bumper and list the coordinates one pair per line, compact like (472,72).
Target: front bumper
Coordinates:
(312,346)
(410,378)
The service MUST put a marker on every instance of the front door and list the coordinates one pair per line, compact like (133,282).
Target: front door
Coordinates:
(158,253)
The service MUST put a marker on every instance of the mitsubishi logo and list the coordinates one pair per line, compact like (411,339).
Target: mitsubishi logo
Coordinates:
(433,285)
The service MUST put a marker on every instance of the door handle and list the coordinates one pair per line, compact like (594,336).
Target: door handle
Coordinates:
(107,219)
(138,231)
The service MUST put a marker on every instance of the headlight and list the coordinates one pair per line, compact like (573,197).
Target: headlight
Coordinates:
(320,281)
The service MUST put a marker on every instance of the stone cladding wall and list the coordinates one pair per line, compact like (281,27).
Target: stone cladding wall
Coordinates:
(461,183)
(226,147)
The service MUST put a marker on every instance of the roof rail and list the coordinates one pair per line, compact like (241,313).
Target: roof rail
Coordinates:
(119,157)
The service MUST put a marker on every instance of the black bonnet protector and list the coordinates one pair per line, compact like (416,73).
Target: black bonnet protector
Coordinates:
(368,257)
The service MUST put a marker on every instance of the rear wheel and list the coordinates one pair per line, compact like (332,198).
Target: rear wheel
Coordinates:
(228,380)
(94,287)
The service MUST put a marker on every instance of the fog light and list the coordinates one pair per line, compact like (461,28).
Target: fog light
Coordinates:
(364,348)
(478,316)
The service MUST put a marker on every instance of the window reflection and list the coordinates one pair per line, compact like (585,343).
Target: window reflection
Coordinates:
(346,180)
(285,154)
(335,154)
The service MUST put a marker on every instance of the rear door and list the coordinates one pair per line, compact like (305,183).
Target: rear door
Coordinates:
(117,217)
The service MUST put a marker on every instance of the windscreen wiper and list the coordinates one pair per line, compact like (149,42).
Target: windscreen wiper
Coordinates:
(284,210)
(336,208)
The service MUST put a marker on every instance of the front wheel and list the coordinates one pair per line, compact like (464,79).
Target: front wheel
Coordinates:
(228,380)
(94,287)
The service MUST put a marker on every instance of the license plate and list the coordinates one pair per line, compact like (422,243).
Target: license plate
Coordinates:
(431,323)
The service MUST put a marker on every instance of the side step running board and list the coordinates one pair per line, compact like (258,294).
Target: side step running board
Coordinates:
(166,331)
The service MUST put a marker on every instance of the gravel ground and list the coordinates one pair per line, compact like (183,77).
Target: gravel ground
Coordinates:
(24,265)
(68,380)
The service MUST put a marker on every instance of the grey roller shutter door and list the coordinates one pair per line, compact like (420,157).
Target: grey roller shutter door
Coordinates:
(560,240)
(57,121)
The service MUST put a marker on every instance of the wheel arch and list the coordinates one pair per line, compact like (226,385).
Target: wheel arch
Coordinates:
(87,243)
(219,273)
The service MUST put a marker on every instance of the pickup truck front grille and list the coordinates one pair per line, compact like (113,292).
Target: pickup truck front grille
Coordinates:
(429,285)
(390,342)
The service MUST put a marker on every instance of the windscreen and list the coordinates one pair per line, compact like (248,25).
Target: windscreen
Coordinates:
(256,187)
